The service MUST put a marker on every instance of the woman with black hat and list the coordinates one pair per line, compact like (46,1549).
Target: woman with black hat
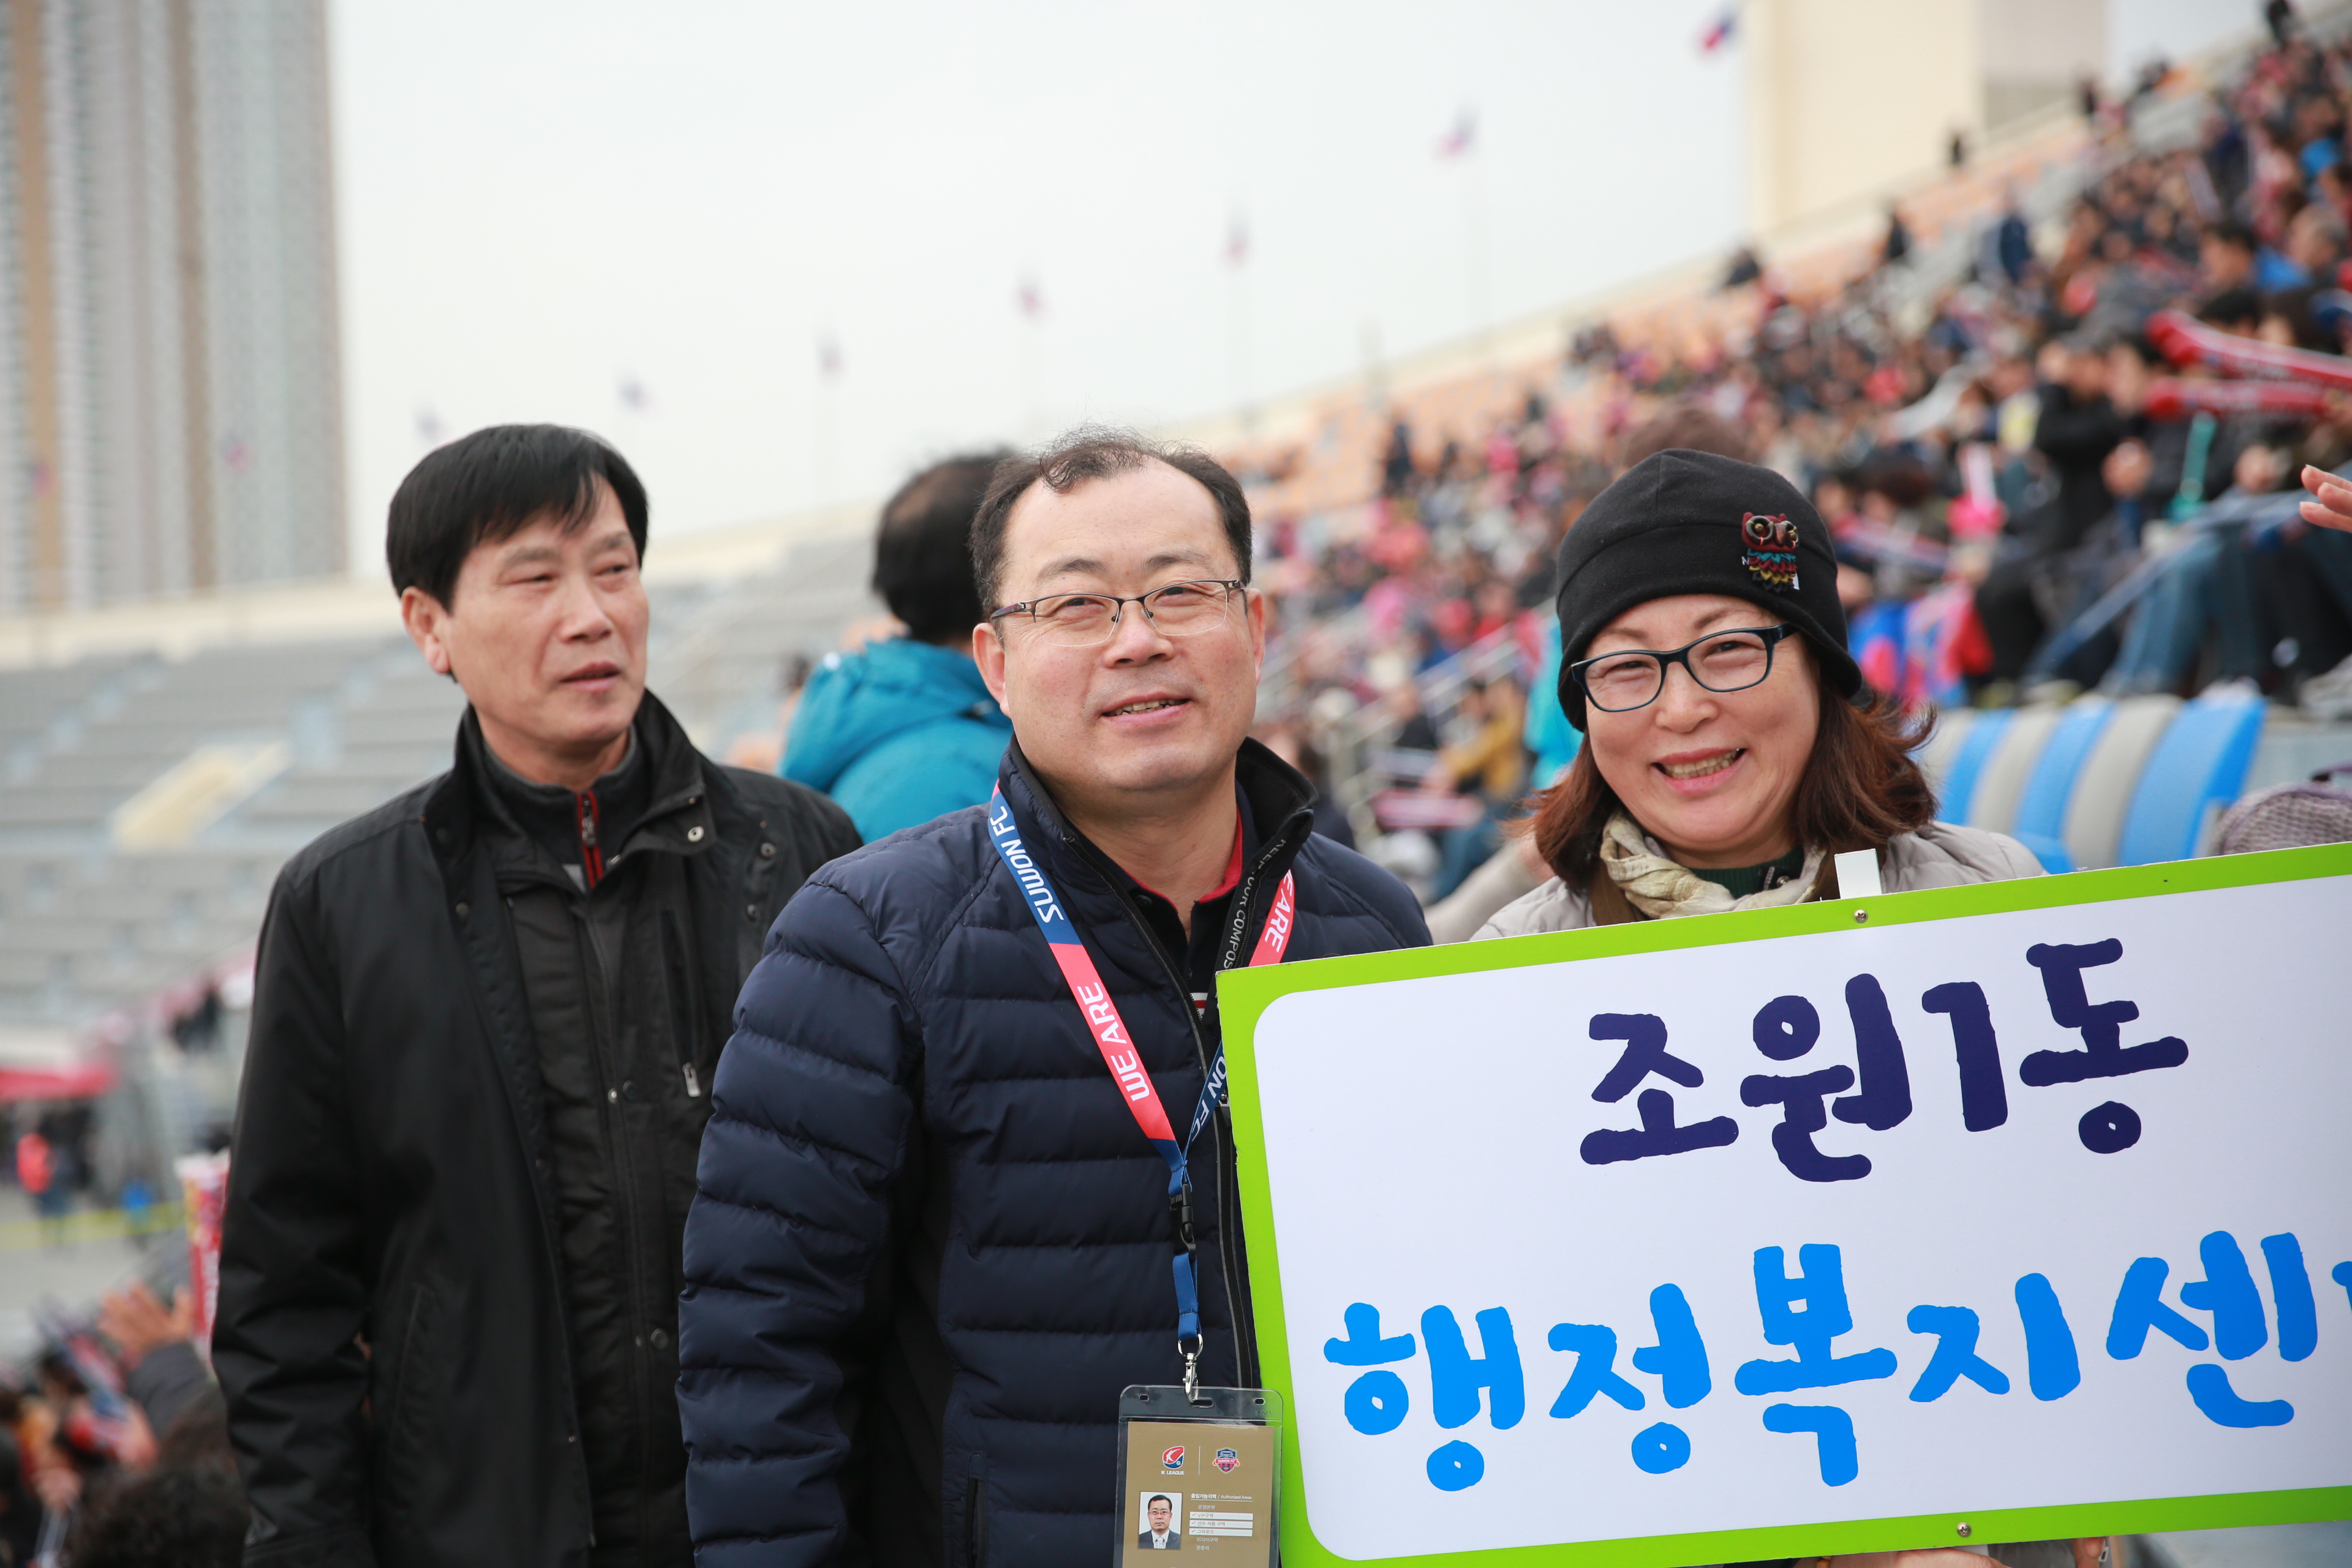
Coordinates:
(1727,756)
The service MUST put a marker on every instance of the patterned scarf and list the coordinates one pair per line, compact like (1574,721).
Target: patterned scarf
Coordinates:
(1661,890)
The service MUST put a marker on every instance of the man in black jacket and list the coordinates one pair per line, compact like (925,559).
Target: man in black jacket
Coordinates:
(486,1016)
(932,1243)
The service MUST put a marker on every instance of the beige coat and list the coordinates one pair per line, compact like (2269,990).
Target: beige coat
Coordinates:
(1939,855)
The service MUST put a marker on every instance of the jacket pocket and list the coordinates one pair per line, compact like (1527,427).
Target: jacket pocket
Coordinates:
(404,1425)
(973,1546)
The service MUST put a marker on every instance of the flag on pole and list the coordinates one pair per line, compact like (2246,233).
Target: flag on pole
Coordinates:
(1237,241)
(1718,32)
(828,355)
(1458,141)
(1031,299)
(632,393)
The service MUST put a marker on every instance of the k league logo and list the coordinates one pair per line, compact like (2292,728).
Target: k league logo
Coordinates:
(1171,1460)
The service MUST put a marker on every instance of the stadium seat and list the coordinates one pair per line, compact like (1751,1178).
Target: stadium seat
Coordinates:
(1968,762)
(2041,808)
(1942,747)
(2196,770)
(2109,775)
(1992,804)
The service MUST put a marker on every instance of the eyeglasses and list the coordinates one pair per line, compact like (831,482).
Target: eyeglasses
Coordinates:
(1088,620)
(1719,661)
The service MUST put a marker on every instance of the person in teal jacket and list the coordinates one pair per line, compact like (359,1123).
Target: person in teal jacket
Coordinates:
(1549,736)
(903,730)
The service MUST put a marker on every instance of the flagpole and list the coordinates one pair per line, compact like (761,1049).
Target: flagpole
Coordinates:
(1238,319)
(1460,146)
(1475,238)
(1031,302)
(825,434)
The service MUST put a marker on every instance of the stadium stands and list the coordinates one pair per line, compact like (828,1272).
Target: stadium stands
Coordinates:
(87,925)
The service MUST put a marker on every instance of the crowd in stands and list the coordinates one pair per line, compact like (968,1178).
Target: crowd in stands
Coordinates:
(2032,496)
(114,1447)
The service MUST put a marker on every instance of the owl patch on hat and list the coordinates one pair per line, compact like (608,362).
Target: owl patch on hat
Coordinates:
(1769,551)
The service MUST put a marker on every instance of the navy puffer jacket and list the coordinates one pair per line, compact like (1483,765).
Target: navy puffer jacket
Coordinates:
(930,1245)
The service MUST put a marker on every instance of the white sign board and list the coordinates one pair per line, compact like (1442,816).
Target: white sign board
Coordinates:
(2023,1208)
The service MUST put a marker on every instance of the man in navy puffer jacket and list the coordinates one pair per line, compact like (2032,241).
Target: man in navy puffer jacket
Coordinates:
(931,1243)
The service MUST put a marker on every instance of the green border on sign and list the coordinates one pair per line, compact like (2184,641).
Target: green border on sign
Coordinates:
(1244,995)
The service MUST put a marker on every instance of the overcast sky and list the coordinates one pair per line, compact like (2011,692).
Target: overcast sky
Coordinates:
(648,219)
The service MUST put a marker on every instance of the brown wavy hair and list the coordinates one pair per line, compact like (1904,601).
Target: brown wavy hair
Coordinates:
(1861,788)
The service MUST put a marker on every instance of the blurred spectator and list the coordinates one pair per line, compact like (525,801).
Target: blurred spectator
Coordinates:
(38,1173)
(81,1440)
(2226,257)
(2079,424)
(154,1348)
(168,1519)
(1489,763)
(2205,585)
(1397,466)
(198,1029)
(2014,243)
(20,1506)
(903,730)
(1415,731)
(1289,740)
(2306,572)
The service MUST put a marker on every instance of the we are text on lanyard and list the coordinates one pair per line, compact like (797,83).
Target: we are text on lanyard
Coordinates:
(1121,1055)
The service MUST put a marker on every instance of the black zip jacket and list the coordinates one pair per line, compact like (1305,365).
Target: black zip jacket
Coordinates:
(449,1241)
(930,1245)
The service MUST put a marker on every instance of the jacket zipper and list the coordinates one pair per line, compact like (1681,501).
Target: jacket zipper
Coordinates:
(1245,1344)
(600,1022)
(587,812)
(682,1011)
(975,1524)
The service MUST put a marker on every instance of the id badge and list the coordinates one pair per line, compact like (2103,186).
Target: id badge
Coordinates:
(1198,1476)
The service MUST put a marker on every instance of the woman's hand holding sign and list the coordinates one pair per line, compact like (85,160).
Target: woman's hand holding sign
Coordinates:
(2088,1550)
(2333,509)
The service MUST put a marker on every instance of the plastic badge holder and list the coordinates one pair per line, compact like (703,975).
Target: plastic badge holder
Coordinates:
(1198,1476)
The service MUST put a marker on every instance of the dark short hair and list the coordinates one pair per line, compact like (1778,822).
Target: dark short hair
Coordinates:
(922,551)
(2233,233)
(2232,308)
(1159,1497)
(166,1518)
(1095,452)
(491,485)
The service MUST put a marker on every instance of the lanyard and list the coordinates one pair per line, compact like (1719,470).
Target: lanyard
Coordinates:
(1119,1054)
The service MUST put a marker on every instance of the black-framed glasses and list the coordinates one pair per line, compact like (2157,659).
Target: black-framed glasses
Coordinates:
(1720,661)
(1088,620)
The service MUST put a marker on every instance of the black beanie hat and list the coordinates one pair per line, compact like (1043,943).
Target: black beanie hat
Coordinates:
(1680,522)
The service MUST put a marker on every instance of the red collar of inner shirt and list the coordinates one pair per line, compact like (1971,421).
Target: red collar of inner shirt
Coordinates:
(1233,874)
